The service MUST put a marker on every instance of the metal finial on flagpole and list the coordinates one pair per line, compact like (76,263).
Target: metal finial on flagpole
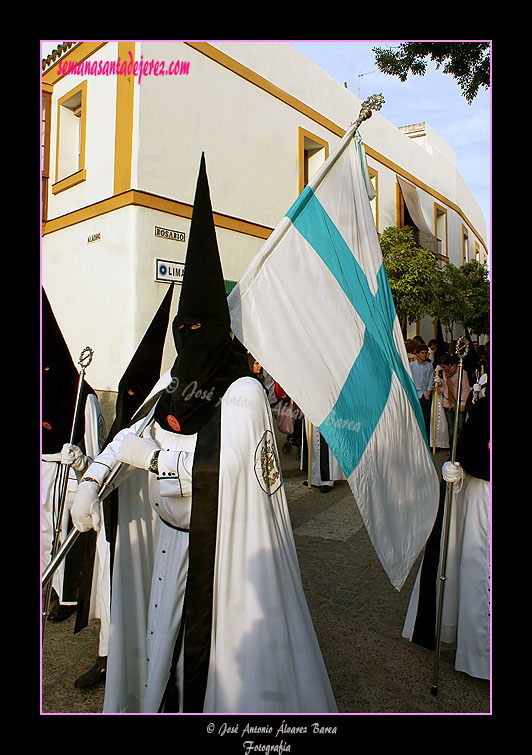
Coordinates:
(375,102)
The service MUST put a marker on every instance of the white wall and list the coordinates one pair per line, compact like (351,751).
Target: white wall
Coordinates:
(104,294)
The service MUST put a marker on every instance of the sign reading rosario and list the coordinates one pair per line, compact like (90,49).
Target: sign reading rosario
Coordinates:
(168,233)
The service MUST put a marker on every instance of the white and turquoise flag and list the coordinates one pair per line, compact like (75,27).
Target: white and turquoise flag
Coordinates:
(315,309)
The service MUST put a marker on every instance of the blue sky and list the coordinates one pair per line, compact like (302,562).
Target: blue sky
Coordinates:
(434,98)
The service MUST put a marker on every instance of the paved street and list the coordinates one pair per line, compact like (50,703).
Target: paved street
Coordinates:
(357,614)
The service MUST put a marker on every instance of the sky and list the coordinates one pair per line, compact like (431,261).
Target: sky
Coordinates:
(435,98)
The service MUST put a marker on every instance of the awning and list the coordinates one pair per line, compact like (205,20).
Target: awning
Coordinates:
(426,238)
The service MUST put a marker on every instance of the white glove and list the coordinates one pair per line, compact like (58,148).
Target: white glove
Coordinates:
(452,472)
(136,451)
(72,456)
(85,511)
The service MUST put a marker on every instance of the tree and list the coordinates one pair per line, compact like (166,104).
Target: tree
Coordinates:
(467,62)
(450,297)
(476,290)
(412,272)
(463,297)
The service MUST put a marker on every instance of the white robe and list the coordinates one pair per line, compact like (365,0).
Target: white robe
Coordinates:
(335,471)
(265,656)
(50,483)
(466,597)
(439,430)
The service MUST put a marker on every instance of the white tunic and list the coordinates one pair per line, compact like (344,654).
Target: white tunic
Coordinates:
(51,481)
(264,657)
(466,604)
(438,431)
(335,471)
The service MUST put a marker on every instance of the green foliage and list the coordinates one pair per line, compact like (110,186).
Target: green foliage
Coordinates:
(476,288)
(467,62)
(454,295)
(412,273)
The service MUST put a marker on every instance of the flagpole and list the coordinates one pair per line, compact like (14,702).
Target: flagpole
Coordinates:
(462,348)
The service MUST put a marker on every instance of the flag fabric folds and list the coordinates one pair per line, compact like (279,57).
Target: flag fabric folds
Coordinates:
(315,309)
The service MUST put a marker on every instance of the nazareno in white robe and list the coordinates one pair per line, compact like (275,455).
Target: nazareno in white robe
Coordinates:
(264,655)
(50,483)
(335,471)
(466,597)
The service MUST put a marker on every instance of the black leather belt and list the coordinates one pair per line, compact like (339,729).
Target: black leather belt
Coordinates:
(173,526)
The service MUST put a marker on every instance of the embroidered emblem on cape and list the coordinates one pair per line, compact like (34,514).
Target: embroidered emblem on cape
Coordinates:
(174,424)
(267,468)
(102,431)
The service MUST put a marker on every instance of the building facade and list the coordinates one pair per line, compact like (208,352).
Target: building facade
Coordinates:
(124,127)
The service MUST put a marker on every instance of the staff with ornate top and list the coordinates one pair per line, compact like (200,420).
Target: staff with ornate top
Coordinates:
(85,358)
(462,347)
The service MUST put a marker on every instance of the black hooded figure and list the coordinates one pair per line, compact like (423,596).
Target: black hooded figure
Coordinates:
(207,595)
(208,359)
(60,380)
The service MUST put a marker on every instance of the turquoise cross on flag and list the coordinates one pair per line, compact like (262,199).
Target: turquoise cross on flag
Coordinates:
(315,309)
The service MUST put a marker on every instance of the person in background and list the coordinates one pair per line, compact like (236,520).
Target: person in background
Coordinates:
(449,388)
(423,376)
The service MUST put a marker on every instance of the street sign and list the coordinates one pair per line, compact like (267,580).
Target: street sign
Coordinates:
(168,271)
(168,233)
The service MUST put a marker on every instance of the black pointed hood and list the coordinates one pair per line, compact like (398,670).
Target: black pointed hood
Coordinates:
(59,386)
(208,359)
(144,368)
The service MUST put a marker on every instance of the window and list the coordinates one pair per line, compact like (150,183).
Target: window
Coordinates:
(312,153)
(45,156)
(440,228)
(70,147)
(465,245)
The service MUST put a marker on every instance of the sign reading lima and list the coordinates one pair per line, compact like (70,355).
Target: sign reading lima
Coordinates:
(167,271)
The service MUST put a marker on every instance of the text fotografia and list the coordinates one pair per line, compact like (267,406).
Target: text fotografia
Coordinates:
(247,731)
(137,68)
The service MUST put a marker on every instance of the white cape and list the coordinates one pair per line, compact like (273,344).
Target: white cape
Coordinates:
(335,471)
(466,603)
(100,593)
(265,656)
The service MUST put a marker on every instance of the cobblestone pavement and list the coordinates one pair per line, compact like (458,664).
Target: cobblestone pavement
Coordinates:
(357,614)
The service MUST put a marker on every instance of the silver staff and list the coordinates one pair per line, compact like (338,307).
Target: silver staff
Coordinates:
(462,347)
(104,490)
(85,358)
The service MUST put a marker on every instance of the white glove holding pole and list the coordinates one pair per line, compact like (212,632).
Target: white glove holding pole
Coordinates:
(73,456)
(452,472)
(85,511)
(137,452)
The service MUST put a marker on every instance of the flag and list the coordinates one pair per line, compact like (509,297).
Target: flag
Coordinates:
(315,309)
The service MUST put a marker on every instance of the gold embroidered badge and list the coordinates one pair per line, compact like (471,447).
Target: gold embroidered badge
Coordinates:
(267,468)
